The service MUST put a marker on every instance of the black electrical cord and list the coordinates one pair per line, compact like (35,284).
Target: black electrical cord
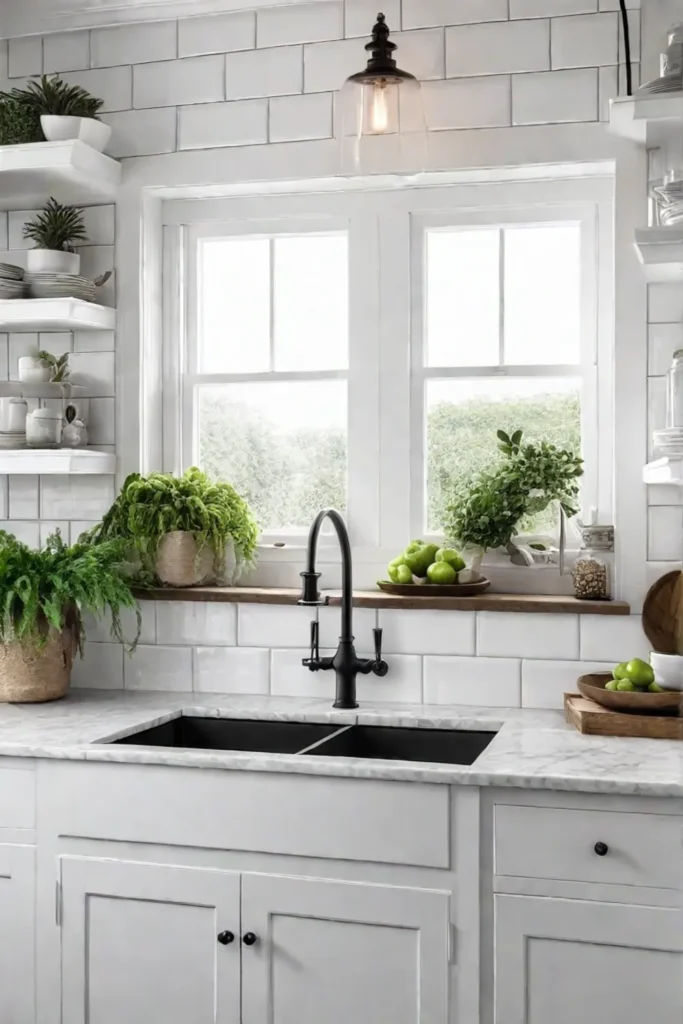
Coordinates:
(627,48)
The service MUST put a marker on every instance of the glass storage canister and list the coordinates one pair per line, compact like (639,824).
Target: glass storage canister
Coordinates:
(44,428)
(591,570)
(674,392)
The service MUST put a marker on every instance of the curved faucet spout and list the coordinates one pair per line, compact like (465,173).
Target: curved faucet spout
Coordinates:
(337,521)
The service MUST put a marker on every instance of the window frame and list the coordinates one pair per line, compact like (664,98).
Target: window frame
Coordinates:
(381,379)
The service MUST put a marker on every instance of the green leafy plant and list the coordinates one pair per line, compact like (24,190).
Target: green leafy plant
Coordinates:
(59,366)
(18,123)
(148,507)
(49,590)
(485,512)
(56,227)
(47,95)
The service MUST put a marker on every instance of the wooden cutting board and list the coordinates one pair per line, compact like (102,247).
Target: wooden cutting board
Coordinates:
(592,719)
(663,614)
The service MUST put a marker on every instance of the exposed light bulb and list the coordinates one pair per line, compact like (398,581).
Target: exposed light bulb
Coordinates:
(379,108)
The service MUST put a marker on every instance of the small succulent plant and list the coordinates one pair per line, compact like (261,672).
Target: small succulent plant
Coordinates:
(47,95)
(56,227)
(59,366)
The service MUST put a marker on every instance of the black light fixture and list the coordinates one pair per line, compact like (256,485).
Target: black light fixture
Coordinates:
(381,101)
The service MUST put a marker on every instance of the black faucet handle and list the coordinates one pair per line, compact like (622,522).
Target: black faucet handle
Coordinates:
(313,663)
(380,668)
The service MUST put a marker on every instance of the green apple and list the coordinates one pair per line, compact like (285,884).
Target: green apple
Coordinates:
(655,688)
(392,568)
(418,556)
(620,671)
(403,574)
(451,556)
(625,686)
(639,672)
(612,685)
(441,572)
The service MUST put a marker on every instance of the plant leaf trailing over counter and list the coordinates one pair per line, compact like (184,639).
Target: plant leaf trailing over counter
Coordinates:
(485,512)
(150,507)
(48,590)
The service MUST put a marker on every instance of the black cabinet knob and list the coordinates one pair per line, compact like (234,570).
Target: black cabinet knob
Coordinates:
(225,938)
(249,939)
(601,849)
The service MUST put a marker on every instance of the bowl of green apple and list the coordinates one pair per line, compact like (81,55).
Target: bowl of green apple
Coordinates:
(630,687)
(426,569)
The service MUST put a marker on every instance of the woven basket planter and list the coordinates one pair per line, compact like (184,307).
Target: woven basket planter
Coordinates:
(30,676)
(179,565)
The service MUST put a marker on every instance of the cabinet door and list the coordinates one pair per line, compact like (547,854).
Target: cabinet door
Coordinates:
(576,962)
(140,946)
(17,928)
(343,953)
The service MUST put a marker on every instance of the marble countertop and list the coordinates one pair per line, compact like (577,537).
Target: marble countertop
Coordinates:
(532,749)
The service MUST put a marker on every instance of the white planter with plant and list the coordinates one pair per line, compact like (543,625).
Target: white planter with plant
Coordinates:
(33,370)
(55,231)
(43,595)
(66,112)
(182,531)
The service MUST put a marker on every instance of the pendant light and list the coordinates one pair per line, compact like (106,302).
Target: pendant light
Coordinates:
(380,114)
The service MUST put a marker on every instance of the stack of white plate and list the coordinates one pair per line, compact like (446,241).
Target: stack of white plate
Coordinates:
(60,286)
(11,281)
(669,441)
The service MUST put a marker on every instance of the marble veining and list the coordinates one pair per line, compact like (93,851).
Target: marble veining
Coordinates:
(532,749)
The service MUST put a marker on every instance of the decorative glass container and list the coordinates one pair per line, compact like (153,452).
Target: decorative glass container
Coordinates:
(591,573)
(44,428)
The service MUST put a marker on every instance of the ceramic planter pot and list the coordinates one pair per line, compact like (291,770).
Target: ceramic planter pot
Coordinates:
(60,128)
(33,371)
(52,261)
(31,676)
(179,564)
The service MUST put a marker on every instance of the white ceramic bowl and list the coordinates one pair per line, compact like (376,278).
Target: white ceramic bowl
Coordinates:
(668,669)
(52,261)
(60,128)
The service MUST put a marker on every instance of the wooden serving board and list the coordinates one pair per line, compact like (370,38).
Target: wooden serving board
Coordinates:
(592,719)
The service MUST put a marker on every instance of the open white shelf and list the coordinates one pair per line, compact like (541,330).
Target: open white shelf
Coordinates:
(75,174)
(660,250)
(43,461)
(668,470)
(646,119)
(21,315)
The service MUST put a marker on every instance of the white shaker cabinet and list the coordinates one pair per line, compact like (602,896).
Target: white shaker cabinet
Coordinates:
(569,961)
(17,966)
(343,953)
(140,943)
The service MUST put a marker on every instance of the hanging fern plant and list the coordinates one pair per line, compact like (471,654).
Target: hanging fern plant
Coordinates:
(149,507)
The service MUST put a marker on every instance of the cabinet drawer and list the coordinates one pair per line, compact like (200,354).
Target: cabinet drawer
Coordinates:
(560,844)
(17,798)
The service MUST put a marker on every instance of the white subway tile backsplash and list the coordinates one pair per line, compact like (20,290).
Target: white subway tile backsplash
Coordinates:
(360,15)
(497,48)
(102,421)
(98,259)
(555,96)
(113,85)
(4,502)
(289,678)
(95,371)
(93,341)
(294,118)
(612,83)
(664,303)
(158,668)
(210,125)
(231,670)
(467,103)
(75,497)
(550,8)
(20,345)
(612,638)
(260,625)
(505,635)
(101,667)
(254,73)
(426,13)
(25,56)
(192,623)
(27,533)
(427,632)
(479,682)
(4,357)
(3,230)
(299,23)
(98,630)
(663,340)
(23,497)
(66,51)
(169,83)
(142,132)
(665,534)
(49,527)
(216,33)
(544,683)
(100,224)
(422,51)
(133,44)
(584,41)
(327,65)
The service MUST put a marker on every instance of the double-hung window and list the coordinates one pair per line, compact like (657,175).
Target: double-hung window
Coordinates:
(360,348)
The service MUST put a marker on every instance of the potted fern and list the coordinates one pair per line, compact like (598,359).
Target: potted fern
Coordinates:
(66,111)
(181,531)
(55,231)
(43,595)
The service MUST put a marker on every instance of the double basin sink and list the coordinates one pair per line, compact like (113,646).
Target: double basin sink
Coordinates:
(358,741)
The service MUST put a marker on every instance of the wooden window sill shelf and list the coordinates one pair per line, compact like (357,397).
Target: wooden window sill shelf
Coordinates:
(376,599)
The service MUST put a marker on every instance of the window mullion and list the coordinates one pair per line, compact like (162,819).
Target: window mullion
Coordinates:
(501,296)
(271,293)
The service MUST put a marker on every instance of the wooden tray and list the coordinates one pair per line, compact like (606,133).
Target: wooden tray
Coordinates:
(592,719)
(434,589)
(593,687)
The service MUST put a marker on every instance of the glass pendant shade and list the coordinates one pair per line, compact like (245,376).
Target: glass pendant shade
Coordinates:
(380,113)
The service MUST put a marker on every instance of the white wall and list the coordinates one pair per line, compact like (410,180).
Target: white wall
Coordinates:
(524,75)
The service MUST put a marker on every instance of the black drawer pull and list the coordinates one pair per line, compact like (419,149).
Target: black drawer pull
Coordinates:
(602,849)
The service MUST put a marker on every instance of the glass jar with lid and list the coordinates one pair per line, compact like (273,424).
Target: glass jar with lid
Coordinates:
(591,572)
